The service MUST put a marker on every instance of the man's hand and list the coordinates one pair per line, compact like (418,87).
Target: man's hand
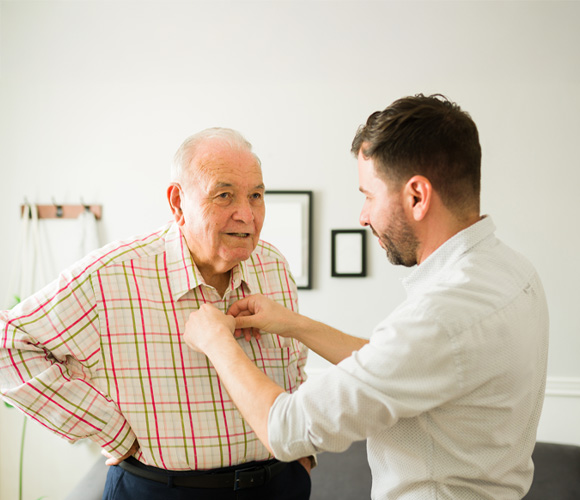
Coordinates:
(256,312)
(204,325)
(111,460)
(306,462)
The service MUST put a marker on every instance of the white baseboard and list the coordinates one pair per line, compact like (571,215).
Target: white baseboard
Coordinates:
(563,386)
(561,413)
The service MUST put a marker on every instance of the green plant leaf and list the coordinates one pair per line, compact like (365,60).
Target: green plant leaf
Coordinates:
(17,299)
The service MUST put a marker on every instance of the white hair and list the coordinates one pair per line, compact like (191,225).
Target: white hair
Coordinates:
(188,149)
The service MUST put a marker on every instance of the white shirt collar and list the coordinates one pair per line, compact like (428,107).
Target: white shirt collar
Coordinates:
(448,253)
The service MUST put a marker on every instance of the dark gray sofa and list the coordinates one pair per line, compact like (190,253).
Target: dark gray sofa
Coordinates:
(347,475)
(557,472)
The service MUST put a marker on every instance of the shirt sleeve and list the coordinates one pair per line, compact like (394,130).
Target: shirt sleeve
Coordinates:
(408,368)
(50,360)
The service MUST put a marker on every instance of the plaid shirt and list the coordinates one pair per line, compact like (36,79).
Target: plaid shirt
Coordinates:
(98,353)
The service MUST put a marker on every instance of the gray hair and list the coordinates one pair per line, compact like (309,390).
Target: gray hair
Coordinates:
(188,149)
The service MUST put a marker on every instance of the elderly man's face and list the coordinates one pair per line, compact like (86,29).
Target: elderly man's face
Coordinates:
(223,206)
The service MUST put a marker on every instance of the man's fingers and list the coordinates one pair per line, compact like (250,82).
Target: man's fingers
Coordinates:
(252,332)
(239,307)
(111,460)
(246,313)
(248,333)
(306,463)
(244,322)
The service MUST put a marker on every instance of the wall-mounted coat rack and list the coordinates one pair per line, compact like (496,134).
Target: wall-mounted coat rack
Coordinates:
(56,211)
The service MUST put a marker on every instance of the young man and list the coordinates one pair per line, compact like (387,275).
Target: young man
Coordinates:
(449,389)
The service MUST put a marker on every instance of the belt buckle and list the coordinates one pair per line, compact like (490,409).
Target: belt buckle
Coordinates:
(241,484)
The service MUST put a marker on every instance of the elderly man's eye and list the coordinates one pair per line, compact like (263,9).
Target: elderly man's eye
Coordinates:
(257,196)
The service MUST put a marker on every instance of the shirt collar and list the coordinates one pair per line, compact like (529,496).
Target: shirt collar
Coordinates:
(448,253)
(183,274)
(242,273)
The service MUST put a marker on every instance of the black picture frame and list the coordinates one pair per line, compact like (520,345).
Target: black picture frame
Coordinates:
(288,226)
(348,249)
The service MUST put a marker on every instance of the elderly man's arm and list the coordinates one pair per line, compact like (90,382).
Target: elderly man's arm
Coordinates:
(49,347)
(256,312)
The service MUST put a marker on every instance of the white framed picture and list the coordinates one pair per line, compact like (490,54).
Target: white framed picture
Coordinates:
(348,253)
(288,226)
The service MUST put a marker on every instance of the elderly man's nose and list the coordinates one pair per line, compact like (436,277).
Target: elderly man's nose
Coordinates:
(244,211)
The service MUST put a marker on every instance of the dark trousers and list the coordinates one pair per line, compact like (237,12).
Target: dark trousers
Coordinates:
(292,483)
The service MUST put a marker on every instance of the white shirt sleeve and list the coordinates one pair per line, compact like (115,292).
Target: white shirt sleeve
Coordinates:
(395,376)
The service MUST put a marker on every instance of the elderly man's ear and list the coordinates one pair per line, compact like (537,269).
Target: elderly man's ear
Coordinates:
(174,198)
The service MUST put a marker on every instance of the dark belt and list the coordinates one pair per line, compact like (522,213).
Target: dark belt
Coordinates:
(237,479)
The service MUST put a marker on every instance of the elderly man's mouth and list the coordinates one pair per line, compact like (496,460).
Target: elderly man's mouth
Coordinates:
(239,235)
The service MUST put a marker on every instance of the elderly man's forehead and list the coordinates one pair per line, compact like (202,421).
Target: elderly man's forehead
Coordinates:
(216,154)
(224,174)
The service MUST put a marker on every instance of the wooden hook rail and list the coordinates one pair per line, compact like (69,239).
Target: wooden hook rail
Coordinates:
(63,211)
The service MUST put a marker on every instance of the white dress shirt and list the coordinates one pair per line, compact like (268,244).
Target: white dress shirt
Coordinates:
(450,388)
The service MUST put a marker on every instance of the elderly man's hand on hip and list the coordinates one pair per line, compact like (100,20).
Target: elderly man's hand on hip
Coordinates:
(111,460)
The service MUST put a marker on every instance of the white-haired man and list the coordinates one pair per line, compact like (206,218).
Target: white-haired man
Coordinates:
(100,353)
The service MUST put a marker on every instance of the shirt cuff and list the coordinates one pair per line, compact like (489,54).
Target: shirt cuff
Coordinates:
(116,437)
(287,433)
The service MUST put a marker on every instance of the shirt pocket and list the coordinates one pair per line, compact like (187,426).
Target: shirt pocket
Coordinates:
(279,363)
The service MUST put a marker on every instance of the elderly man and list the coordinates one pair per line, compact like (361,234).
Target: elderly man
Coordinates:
(100,353)
(449,389)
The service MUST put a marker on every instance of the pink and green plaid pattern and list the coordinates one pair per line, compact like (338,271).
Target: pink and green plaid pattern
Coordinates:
(99,353)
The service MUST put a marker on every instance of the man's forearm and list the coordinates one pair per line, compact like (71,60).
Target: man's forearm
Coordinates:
(250,389)
(330,343)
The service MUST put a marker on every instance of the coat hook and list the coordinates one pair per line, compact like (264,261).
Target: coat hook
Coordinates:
(27,208)
(59,212)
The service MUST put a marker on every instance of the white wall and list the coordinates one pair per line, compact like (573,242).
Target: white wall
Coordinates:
(96,96)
